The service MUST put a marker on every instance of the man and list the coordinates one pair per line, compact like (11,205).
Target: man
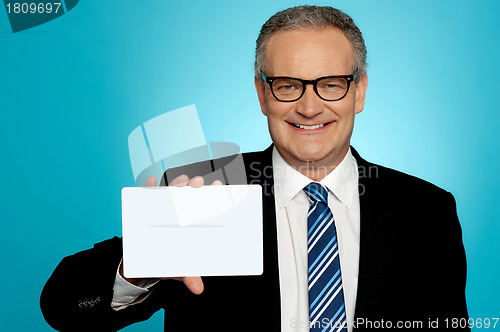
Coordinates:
(348,245)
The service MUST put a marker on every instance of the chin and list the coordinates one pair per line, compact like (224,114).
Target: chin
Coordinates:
(311,155)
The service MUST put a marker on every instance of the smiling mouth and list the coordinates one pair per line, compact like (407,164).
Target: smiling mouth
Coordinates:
(309,127)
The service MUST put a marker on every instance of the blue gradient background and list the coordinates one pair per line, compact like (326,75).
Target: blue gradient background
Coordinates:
(74,88)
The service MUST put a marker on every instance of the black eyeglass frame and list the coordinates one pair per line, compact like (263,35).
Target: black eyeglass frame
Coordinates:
(270,80)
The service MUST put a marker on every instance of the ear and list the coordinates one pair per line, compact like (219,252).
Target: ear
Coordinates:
(261,92)
(361,93)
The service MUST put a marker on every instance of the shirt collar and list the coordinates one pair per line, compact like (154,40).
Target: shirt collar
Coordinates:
(288,182)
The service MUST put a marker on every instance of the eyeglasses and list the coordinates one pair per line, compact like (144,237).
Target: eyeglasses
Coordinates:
(328,88)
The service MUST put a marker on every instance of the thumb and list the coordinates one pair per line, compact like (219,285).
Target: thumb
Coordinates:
(151,182)
(194,284)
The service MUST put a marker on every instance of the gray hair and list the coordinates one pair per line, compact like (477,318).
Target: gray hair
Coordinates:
(312,17)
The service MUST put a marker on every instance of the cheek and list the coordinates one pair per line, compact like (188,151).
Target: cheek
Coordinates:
(277,110)
(346,109)
(276,125)
(278,128)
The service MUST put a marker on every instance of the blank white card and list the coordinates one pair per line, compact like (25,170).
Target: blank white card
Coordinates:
(185,231)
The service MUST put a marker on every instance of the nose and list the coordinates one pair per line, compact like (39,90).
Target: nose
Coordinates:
(310,104)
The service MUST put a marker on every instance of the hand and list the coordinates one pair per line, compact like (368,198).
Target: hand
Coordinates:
(194,284)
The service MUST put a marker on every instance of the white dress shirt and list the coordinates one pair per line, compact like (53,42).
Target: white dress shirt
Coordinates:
(292,206)
(291,220)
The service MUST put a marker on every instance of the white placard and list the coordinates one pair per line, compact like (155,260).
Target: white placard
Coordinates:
(185,231)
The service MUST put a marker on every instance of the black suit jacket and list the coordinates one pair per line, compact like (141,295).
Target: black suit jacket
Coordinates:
(412,268)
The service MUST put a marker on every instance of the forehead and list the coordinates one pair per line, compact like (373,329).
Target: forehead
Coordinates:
(308,53)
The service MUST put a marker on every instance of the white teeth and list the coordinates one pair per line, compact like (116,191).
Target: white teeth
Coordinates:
(310,127)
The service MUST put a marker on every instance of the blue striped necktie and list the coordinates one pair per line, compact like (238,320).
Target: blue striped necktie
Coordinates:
(326,296)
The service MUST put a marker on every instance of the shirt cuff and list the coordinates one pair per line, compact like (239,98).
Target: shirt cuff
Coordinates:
(125,293)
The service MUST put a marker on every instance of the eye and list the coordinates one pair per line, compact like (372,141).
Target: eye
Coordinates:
(332,84)
(287,86)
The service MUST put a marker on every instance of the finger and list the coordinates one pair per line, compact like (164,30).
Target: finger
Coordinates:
(194,284)
(180,181)
(151,182)
(217,183)
(196,182)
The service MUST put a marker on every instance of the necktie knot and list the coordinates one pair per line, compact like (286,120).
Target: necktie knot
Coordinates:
(316,192)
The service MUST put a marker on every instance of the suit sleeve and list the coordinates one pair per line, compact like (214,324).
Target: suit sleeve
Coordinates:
(450,299)
(87,307)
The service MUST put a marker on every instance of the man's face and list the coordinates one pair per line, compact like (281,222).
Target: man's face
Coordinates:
(309,54)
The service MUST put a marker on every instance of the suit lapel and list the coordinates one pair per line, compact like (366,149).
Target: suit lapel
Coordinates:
(377,253)
(259,171)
